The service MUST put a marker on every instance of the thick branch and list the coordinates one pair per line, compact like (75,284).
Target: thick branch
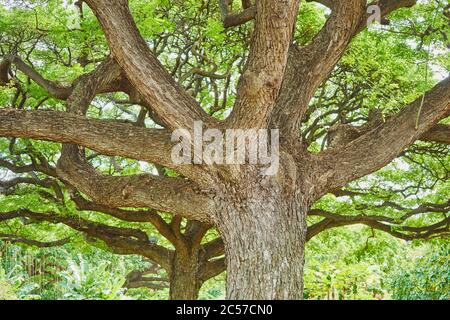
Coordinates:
(440,133)
(158,89)
(107,137)
(381,223)
(380,145)
(40,244)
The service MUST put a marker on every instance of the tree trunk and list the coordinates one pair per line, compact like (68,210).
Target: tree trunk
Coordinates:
(264,240)
(185,283)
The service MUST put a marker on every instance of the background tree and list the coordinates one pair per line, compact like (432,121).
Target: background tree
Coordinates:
(282,86)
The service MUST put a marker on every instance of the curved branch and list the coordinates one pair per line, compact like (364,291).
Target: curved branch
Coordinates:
(6,185)
(53,88)
(386,7)
(173,106)
(167,194)
(150,216)
(140,279)
(261,81)
(379,146)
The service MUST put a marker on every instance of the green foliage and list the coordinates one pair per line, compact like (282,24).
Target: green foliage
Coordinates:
(426,278)
(6,291)
(83,281)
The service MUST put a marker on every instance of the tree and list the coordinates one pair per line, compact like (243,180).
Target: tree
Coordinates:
(261,219)
(424,279)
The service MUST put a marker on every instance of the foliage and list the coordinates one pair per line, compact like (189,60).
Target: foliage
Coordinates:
(384,68)
(427,277)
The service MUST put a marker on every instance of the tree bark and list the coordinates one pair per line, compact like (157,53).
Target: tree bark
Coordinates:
(185,282)
(264,236)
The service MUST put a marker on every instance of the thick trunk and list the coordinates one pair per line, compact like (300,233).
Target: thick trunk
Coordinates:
(264,242)
(185,283)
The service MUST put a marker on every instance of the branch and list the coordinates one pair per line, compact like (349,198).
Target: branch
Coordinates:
(306,69)
(106,78)
(139,279)
(6,185)
(174,195)
(150,216)
(381,223)
(106,137)
(142,191)
(261,81)
(214,248)
(40,244)
(53,88)
(379,146)
(215,264)
(440,133)
(17,169)
(77,223)
(120,240)
(339,135)
(173,106)
(310,65)
(386,7)
(213,268)
(235,19)
(108,75)
(327,3)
